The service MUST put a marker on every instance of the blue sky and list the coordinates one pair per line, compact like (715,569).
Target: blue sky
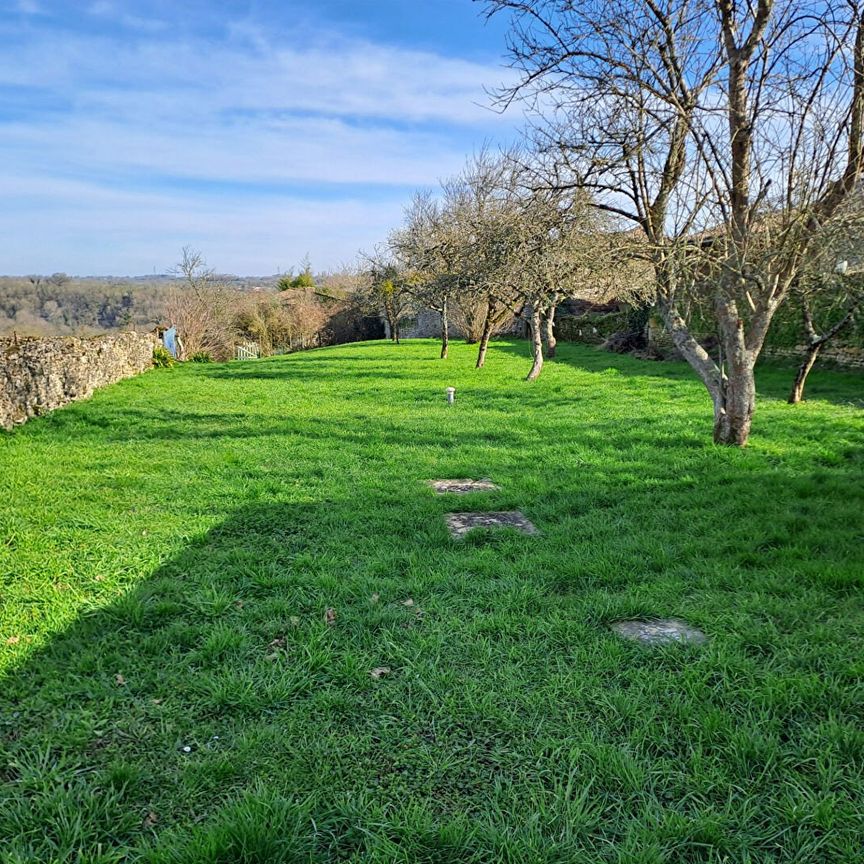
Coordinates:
(253,131)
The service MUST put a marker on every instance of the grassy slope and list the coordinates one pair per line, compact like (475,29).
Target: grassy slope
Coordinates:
(171,528)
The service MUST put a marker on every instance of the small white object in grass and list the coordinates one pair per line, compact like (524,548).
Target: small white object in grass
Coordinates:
(451,395)
(842,267)
(187,749)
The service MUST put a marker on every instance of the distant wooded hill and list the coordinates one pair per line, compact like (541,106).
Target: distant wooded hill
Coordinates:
(61,305)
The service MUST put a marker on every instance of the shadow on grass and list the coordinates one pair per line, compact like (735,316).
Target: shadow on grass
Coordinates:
(213,715)
(773,377)
(219,683)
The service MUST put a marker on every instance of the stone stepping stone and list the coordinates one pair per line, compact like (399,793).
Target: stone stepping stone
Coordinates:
(461,523)
(661,631)
(463,486)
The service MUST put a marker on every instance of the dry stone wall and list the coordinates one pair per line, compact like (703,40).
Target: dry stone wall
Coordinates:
(38,375)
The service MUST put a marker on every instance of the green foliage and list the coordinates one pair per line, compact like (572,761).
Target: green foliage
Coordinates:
(167,580)
(162,358)
(201,357)
(303,280)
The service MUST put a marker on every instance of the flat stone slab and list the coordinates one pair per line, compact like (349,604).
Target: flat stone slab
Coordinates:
(461,523)
(660,631)
(462,487)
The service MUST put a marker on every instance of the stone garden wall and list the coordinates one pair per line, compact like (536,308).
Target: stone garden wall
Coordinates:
(38,375)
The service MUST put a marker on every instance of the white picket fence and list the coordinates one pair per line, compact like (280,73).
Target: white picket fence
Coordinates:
(247,351)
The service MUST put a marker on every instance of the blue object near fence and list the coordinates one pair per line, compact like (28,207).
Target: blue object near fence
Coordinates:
(169,340)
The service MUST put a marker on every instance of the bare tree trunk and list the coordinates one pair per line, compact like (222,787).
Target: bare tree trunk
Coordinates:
(733,414)
(445,335)
(797,392)
(484,339)
(536,343)
(814,346)
(551,341)
(733,394)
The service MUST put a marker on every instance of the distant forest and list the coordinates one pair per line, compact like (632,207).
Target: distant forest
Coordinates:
(61,305)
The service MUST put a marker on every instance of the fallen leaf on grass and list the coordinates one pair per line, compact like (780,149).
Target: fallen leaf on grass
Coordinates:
(380,672)
(13,640)
(294,620)
(408,602)
(150,820)
(156,701)
(278,642)
(330,617)
(375,597)
(119,679)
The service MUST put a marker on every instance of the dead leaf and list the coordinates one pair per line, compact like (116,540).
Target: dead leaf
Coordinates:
(99,577)
(156,701)
(238,604)
(295,621)
(150,820)
(375,597)
(119,679)
(408,602)
(13,640)
(278,642)
(272,658)
(330,617)
(380,672)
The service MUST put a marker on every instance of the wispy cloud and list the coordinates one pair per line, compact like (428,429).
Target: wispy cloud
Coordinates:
(29,7)
(216,122)
(116,13)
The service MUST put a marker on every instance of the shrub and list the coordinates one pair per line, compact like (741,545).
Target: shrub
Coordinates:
(201,357)
(162,358)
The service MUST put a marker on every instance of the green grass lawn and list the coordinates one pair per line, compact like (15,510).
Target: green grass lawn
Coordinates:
(171,691)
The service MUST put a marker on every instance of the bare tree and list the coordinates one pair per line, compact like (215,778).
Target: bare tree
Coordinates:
(385,289)
(485,195)
(853,297)
(730,133)
(564,249)
(428,244)
(454,248)
(201,306)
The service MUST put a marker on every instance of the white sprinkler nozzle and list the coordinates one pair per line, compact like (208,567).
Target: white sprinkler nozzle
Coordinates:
(451,395)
